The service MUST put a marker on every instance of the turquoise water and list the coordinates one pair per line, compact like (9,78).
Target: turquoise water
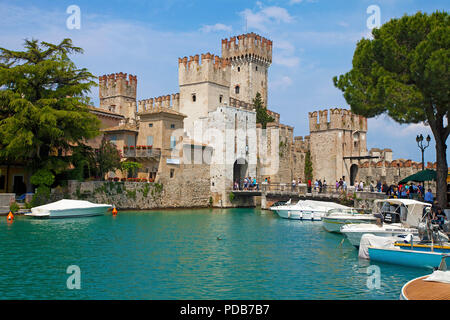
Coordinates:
(176,255)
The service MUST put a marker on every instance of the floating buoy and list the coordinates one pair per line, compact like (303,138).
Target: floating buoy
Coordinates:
(114,211)
(10,216)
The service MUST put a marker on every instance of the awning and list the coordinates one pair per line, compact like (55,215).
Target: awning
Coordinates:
(421,176)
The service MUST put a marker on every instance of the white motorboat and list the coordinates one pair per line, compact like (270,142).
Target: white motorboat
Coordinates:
(306,210)
(69,209)
(334,219)
(399,217)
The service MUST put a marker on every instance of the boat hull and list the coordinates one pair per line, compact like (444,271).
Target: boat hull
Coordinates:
(335,224)
(410,258)
(355,236)
(299,215)
(71,213)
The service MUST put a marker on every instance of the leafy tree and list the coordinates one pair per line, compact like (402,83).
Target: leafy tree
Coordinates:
(44,113)
(108,157)
(404,72)
(130,168)
(308,166)
(262,116)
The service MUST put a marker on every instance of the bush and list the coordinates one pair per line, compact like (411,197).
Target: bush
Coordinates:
(14,207)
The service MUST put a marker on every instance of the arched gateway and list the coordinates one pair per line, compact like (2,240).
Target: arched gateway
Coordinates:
(239,171)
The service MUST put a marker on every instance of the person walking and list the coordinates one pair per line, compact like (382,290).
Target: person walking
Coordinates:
(429,196)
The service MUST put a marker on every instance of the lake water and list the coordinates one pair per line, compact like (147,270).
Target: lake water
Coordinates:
(176,255)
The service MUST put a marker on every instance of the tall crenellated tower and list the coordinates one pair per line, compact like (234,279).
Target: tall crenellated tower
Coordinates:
(250,59)
(118,93)
(339,143)
(204,86)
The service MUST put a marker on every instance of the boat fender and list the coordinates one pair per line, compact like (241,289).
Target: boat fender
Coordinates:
(10,216)
(114,211)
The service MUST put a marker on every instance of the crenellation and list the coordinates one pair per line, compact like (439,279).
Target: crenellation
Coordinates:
(249,45)
(210,68)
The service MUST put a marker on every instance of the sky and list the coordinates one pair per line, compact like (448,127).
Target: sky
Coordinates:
(313,41)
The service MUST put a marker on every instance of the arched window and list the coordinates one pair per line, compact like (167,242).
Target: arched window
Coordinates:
(239,69)
(236,89)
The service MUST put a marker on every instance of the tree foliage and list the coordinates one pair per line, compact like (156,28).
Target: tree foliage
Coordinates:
(262,116)
(107,158)
(404,72)
(44,113)
(308,169)
(130,167)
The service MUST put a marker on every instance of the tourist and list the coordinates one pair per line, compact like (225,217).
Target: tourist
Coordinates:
(361,186)
(429,196)
(324,185)
(320,185)
(245,183)
(344,185)
(316,185)
(309,185)
(299,181)
(255,184)
(378,185)
(293,184)
(372,186)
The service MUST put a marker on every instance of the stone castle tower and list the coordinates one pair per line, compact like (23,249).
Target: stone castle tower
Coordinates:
(338,144)
(117,93)
(250,59)
(204,86)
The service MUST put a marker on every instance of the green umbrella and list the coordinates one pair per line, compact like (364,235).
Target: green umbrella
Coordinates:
(421,176)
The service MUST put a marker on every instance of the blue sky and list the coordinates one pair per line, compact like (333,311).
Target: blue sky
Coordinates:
(314,40)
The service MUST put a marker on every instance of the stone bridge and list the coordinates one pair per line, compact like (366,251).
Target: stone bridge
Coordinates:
(274,192)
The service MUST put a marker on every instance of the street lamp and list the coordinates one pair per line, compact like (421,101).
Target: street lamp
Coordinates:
(419,140)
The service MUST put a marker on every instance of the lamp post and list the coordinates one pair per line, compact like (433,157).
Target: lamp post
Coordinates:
(419,140)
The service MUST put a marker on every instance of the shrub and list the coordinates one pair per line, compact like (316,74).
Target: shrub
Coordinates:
(14,207)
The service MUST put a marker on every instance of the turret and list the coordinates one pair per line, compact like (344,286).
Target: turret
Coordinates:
(117,93)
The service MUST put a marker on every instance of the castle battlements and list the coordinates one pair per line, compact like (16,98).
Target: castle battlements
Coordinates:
(117,84)
(210,68)
(342,119)
(249,45)
(300,144)
(168,101)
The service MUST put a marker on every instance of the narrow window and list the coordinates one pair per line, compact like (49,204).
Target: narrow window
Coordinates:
(194,97)
(149,140)
(172,172)
(236,89)
(150,125)
(172,126)
(173,142)
(220,98)
(239,69)
(256,68)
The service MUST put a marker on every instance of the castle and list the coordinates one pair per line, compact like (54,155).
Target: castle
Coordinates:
(201,140)
(210,126)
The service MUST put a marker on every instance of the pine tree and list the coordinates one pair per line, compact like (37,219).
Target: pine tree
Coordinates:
(44,112)
(262,116)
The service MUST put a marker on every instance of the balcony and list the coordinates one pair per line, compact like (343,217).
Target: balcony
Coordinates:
(141,153)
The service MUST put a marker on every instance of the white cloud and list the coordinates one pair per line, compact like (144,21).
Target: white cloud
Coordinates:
(216,27)
(282,82)
(265,17)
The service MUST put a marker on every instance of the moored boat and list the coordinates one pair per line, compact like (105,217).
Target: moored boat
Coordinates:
(69,209)
(334,219)
(306,210)
(398,217)
(435,286)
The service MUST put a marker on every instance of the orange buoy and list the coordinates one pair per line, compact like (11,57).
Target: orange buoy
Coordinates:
(114,211)
(10,216)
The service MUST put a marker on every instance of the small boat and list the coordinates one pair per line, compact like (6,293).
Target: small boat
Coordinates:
(69,209)
(306,210)
(383,249)
(433,244)
(334,219)
(435,286)
(398,217)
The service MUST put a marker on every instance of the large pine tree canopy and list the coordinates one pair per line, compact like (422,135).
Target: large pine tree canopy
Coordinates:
(43,105)
(404,72)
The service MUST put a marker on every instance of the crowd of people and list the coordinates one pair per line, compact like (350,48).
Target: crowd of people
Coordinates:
(248,183)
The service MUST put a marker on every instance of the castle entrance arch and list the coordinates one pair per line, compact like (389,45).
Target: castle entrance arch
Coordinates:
(353,173)
(239,171)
